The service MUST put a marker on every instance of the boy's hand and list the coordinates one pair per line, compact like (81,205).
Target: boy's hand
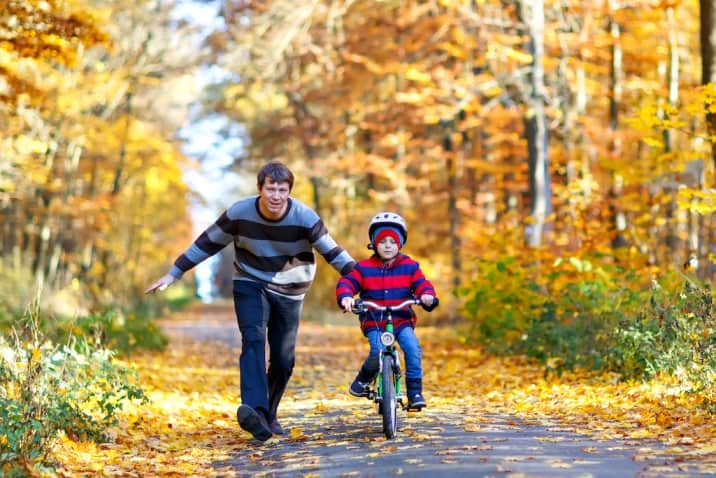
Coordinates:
(347,303)
(427,300)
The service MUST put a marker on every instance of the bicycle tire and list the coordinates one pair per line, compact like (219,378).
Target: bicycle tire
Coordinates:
(390,399)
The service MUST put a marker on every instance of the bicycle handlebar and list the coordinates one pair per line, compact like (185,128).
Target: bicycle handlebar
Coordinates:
(363,305)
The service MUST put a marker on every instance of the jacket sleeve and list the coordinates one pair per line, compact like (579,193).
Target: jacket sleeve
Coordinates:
(334,254)
(420,285)
(349,284)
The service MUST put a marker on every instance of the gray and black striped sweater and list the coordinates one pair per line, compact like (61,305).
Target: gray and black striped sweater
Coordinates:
(276,253)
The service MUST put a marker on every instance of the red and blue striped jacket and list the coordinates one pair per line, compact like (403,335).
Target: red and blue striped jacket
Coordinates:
(385,284)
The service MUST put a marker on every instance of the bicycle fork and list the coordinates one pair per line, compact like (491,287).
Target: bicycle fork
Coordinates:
(387,339)
(397,373)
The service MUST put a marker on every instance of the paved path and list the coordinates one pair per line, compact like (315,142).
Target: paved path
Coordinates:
(339,446)
(333,437)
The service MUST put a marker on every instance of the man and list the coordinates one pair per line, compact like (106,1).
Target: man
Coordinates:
(274,236)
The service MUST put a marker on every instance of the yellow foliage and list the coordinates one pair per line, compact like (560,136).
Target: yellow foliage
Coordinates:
(370,65)
(413,97)
(514,54)
(25,145)
(700,201)
(418,76)
(458,51)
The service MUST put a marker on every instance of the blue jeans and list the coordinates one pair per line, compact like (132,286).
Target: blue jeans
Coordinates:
(262,314)
(412,353)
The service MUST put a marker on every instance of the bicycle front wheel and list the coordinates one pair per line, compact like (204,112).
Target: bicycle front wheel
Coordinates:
(390,400)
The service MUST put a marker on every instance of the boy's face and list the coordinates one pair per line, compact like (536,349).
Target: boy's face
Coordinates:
(387,248)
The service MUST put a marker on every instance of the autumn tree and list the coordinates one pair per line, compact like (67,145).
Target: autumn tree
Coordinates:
(421,107)
(98,188)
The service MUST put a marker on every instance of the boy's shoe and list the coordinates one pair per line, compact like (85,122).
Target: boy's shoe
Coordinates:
(414,386)
(416,401)
(253,422)
(358,389)
(276,428)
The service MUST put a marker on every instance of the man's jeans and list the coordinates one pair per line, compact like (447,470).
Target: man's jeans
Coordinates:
(412,352)
(259,312)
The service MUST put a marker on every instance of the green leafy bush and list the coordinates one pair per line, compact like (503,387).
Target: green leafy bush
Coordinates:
(46,389)
(577,324)
(675,333)
(578,314)
(122,325)
(562,314)
(501,304)
(112,329)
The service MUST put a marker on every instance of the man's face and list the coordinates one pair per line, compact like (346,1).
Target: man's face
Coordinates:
(273,198)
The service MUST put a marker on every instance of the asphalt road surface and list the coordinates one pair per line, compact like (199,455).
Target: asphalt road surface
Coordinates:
(344,439)
(436,446)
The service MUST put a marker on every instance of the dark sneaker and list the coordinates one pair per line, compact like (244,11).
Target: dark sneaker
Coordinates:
(253,422)
(416,401)
(276,428)
(358,389)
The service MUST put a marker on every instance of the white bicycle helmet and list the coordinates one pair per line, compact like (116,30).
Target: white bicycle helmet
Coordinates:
(387,219)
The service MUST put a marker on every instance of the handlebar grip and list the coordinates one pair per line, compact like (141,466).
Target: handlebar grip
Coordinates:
(357,306)
(432,306)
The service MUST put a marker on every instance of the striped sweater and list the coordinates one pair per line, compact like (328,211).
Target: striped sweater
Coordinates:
(385,284)
(278,254)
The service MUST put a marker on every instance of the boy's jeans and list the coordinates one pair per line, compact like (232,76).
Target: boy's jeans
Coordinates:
(259,312)
(410,346)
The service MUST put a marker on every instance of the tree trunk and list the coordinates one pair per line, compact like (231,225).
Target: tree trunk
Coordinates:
(708,58)
(671,188)
(618,217)
(568,138)
(453,215)
(708,75)
(536,128)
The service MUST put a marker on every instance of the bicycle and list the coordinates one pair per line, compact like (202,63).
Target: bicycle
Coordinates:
(386,388)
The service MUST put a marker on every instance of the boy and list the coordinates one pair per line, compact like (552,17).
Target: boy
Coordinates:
(388,277)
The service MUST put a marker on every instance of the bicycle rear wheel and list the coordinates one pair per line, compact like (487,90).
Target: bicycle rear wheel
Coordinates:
(390,400)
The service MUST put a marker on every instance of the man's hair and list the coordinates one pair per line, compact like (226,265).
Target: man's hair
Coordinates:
(276,172)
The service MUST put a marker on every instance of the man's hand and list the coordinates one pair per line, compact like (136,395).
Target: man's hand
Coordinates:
(164,282)
(427,300)
(347,303)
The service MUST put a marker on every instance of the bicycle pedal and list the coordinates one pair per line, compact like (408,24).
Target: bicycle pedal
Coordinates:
(414,409)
